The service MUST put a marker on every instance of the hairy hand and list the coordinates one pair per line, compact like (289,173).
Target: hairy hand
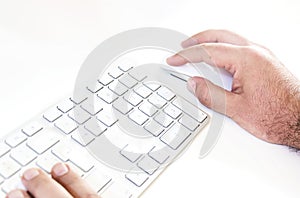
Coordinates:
(265,96)
(63,184)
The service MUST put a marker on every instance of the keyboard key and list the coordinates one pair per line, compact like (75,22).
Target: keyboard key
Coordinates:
(3,149)
(52,114)
(148,109)
(118,88)
(66,125)
(32,128)
(47,161)
(165,93)
(133,99)
(130,154)
(105,79)
(12,184)
(23,155)
(79,99)
(115,72)
(148,165)
(152,86)
(116,190)
(172,111)
(65,105)
(190,109)
(157,101)
(160,155)
(106,118)
(82,161)
(16,139)
(189,122)
(93,107)
(175,136)
(79,115)
(82,136)
(143,91)
(95,127)
(137,179)
(43,140)
(95,88)
(137,74)
(97,180)
(121,105)
(138,117)
(125,67)
(8,167)
(62,150)
(154,128)
(107,95)
(163,119)
(128,81)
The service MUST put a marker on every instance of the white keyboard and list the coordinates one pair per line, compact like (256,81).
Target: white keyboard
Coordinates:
(119,141)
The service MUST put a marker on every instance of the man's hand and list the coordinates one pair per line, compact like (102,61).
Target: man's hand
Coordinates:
(265,96)
(63,184)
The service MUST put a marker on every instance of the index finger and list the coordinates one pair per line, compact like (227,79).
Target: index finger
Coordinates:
(221,55)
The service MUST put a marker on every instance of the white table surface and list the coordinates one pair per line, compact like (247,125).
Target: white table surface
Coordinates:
(43,43)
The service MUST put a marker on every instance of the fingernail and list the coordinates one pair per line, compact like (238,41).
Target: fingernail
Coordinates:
(60,169)
(189,42)
(30,174)
(15,194)
(191,85)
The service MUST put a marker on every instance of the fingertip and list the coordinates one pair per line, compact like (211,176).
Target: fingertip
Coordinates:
(17,194)
(60,169)
(176,60)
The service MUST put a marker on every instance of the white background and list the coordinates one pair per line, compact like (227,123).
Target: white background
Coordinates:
(43,43)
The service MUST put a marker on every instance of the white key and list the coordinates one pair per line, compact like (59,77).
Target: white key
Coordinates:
(172,111)
(148,165)
(2,194)
(128,81)
(82,160)
(143,91)
(95,127)
(106,118)
(62,150)
(93,108)
(165,93)
(148,108)
(137,179)
(154,128)
(152,86)
(12,184)
(43,140)
(190,109)
(125,67)
(130,154)
(118,88)
(32,128)
(137,74)
(116,190)
(133,98)
(77,170)
(78,99)
(23,154)
(52,114)
(66,125)
(163,119)
(105,79)
(115,72)
(8,167)
(189,122)
(107,95)
(97,180)
(47,161)
(96,87)
(138,117)
(157,101)
(79,115)
(65,105)
(175,136)
(121,105)
(16,139)
(3,149)
(160,155)
(82,136)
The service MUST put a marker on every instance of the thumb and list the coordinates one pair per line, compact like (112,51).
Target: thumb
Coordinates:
(213,96)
